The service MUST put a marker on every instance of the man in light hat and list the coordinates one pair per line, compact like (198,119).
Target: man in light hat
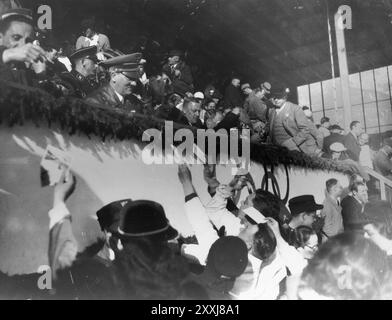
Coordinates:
(118,93)
(337,151)
(254,107)
(335,136)
(290,128)
(79,82)
(265,88)
(17,48)
(179,73)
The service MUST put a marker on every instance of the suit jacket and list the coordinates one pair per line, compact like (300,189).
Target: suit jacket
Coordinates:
(77,85)
(353,147)
(303,132)
(106,96)
(255,108)
(233,97)
(332,211)
(182,83)
(353,217)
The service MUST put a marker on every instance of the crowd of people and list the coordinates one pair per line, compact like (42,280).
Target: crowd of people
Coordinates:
(257,249)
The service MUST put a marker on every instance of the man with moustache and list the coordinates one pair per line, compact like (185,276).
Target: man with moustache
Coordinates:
(118,93)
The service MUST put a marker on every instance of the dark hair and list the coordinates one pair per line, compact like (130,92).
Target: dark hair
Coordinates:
(304,108)
(331,183)
(264,242)
(6,23)
(324,120)
(354,177)
(364,261)
(267,204)
(300,237)
(355,186)
(353,124)
(148,269)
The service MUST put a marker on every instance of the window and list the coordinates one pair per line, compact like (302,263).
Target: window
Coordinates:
(382,88)
(368,89)
(355,89)
(330,96)
(303,96)
(370,95)
(316,98)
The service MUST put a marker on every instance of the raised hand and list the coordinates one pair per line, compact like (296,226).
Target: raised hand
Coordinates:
(29,52)
(64,189)
(184,174)
(226,191)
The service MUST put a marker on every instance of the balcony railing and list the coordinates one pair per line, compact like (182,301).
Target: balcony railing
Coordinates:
(385,184)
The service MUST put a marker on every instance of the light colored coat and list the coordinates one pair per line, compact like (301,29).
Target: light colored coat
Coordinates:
(304,134)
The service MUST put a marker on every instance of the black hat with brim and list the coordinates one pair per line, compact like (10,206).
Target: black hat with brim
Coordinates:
(335,127)
(144,218)
(17,13)
(305,203)
(109,216)
(85,53)
(127,64)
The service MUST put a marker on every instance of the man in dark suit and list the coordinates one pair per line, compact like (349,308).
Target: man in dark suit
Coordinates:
(233,96)
(351,140)
(290,128)
(179,73)
(124,72)
(353,207)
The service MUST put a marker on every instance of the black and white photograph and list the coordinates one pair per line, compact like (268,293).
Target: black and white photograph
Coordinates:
(196,154)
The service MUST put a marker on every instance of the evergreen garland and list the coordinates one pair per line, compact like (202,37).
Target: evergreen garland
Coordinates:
(19,104)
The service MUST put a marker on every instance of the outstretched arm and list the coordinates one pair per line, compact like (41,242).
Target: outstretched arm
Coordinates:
(197,217)
(62,243)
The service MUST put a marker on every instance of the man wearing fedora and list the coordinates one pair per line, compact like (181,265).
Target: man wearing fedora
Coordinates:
(303,211)
(290,128)
(78,83)
(118,93)
(254,107)
(179,73)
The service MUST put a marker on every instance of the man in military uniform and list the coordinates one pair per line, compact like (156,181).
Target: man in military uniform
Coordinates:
(81,80)
(21,60)
(118,93)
